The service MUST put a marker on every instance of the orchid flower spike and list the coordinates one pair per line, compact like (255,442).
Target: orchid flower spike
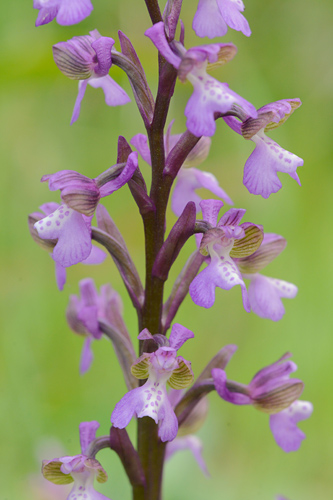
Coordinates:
(189,179)
(80,469)
(213,17)
(265,293)
(69,226)
(209,96)
(228,239)
(271,391)
(268,158)
(160,367)
(66,12)
(88,59)
(96,256)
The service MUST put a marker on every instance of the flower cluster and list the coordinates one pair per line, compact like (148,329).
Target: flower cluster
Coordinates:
(233,252)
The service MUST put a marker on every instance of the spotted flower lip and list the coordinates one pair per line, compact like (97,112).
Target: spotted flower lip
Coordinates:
(96,256)
(66,12)
(226,240)
(70,226)
(213,17)
(271,391)
(80,469)
(189,179)
(209,95)
(159,368)
(268,157)
(88,59)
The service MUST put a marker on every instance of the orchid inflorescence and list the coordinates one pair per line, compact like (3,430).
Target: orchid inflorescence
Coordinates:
(231,252)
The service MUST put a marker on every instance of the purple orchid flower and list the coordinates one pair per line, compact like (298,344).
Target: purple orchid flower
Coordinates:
(189,179)
(209,95)
(160,367)
(83,314)
(226,240)
(213,17)
(70,224)
(88,59)
(96,256)
(66,12)
(265,293)
(271,391)
(80,469)
(268,158)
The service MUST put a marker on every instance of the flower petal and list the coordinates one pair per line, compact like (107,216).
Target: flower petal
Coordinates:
(230,10)
(208,20)
(114,94)
(70,228)
(87,432)
(140,142)
(129,405)
(157,35)
(249,243)
(179,335)
(73,11)
(77,106)
(284,425)
(123,178)
(265,296)
(268,158)
(87,355)
(60,273)
(219,273)
(168,422)
(271,246)
(182,376)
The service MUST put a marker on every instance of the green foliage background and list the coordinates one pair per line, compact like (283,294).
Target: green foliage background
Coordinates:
(43,397)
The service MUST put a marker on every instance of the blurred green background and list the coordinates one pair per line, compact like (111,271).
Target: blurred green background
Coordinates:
(43,397)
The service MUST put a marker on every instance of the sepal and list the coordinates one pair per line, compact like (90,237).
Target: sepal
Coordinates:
(246,246)
(51,470)
(271,246)
(226,53)
(140,369)
(182,376)
(280,398)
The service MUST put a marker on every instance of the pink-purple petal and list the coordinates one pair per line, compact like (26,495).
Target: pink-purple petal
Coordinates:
(168,422)
(219,273)
(86,355)
(87,432)
(208,20)
(179,335)
(157,35)
(140,142)
(114,94)
(268,158)
(123,178)
(96,256)
(232,217)
(284,425)
(77,106)
(210,210)
(265,296)
(73,11)
(60,273)
(231,12)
